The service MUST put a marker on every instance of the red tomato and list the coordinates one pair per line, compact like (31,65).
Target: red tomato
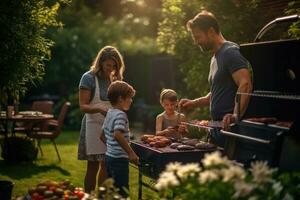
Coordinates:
(35,196)
(80,194)
(41,197)
(52,188)
(66,197)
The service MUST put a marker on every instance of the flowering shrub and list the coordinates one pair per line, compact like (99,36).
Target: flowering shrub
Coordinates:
(220,178)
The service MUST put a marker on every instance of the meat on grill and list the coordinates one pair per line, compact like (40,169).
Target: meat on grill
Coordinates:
(191,142)
(204,145)
(174,145)
(183,147)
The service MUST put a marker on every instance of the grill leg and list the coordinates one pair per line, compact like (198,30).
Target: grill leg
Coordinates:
(140,182)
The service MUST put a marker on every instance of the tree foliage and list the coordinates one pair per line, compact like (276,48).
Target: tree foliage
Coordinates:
(239,22)
(236,19)
(294,8)
(84,33)
(23,46)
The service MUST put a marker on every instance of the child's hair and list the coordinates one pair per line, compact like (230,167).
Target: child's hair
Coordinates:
(168,94)
(119,89)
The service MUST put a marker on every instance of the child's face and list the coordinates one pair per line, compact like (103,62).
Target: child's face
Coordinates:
(125,103)
(169,106)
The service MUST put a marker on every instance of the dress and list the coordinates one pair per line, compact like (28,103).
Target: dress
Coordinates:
(170,122)
(99,90)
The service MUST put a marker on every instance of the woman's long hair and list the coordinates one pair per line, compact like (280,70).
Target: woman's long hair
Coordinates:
(109,52)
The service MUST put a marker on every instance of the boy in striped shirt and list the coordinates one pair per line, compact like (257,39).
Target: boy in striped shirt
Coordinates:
(115,133)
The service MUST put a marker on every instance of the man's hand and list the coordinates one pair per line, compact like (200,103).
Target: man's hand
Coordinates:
(185,104)
(133,158)
(228,119)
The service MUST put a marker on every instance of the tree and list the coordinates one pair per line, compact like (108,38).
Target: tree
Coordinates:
(23,45)
(294,8)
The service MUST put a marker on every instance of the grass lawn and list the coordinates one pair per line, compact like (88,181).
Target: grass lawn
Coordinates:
(25,175)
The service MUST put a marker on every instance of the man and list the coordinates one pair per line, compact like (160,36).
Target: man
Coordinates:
(228,74)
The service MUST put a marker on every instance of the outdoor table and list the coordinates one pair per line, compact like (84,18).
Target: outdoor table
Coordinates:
(32,117)
(8,123)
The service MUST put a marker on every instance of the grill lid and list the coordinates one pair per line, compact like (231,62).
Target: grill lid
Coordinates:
(276,79)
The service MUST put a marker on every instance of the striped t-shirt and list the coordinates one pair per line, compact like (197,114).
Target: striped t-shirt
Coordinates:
(115,120)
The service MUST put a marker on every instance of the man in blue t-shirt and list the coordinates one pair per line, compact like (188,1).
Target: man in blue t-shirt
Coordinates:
(228,74)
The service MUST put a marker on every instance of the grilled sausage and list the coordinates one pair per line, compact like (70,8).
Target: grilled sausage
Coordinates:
(183,147)
(175,145)
(204,145)
(191,142)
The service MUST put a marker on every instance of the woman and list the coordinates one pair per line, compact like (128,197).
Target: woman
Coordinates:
(107,67)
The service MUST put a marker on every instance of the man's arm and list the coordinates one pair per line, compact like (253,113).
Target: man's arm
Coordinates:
(203,101)
(188,103)
(242,79)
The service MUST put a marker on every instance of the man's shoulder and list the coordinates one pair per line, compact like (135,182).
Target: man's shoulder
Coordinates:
(230,47)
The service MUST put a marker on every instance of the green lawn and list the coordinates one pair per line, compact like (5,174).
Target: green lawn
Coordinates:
(25,175)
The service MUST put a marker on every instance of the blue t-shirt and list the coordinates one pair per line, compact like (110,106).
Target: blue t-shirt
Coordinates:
(223,89)
(87,81)
(115,120)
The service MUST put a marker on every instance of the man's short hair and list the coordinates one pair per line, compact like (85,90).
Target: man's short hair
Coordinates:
(203,21)
(119,89)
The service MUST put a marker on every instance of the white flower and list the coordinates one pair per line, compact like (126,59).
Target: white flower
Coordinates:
(277,187)
(214,158)
(175,166)
(208,176)
(187,170)
(253,198)
(287,196)
(233,172)
(242,189)
(261,172)
(166,179)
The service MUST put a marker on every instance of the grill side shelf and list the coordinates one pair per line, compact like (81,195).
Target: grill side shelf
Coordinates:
(271,94)
(245,137)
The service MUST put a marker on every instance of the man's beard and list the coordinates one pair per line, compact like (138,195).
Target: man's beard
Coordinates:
(205,48)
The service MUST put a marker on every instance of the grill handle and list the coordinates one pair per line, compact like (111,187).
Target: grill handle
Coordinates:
(245,137)
(290,18)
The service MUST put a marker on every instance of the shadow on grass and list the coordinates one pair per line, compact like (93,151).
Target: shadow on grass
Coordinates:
(27,170)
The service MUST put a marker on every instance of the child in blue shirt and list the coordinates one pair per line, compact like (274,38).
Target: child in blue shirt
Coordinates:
(115,132)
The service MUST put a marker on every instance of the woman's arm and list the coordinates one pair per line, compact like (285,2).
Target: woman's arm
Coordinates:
(84,103)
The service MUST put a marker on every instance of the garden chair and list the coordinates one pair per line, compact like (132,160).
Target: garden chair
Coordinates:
(55,130)
(45,107)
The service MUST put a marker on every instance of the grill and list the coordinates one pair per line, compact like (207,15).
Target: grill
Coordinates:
(154,160)
(276,82)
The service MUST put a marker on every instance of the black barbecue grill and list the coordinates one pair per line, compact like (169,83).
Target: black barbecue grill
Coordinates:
(276,82)
(154,160)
